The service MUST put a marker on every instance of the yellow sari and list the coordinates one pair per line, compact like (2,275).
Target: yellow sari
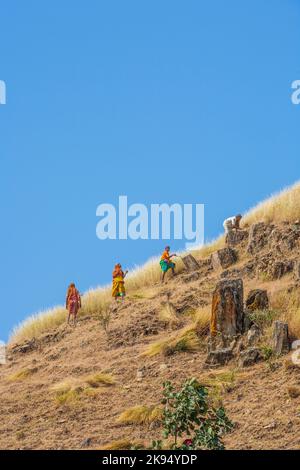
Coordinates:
(118,286)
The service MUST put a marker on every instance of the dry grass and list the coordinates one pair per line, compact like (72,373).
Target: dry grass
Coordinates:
(123,444)
(184,340)
(21,375)
(264,318)
(141,415)
(37,324)
(72,389)
(288,303)
(67,391)
(168,315)
(187,339)
(280,207)
(202,320)
(97,380)
(206,250)
(220,382)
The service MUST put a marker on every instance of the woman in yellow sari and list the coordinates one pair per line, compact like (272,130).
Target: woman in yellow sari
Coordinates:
(118,286)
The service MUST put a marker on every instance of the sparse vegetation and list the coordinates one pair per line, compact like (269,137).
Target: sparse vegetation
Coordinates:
(97,380)
(288,303)
(202,321)
(267,352)
(189,413)
(220,382)
(184,340)
(264,318)
(141,415)
(168,315)
(123,444)
(187,339)
(71,390)
(21,375)
(105,318)
(280,207)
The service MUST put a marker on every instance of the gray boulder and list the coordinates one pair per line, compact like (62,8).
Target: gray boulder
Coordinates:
(249,357)
(281,341)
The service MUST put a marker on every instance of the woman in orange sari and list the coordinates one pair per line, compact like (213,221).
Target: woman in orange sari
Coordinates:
(166,263)
(118,286)
(73,303)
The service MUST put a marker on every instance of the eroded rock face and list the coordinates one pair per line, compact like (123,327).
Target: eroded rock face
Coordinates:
(190,263)
(279,269)
(253,335)
(219,357)
(227,316)
(235,238)
(257,300)
(281,341)
(224,258)
(258,237)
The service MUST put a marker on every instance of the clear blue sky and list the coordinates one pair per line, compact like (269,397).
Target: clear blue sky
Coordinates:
(111,98)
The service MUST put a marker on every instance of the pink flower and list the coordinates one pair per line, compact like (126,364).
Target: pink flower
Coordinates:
(188,443)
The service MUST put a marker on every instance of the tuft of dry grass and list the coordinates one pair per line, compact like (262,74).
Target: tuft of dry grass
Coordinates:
(202,320)
(99,380)
(168,315)
(21,375)
(69,391)
(140,415)
(184,340)
(220,382)
(187,339)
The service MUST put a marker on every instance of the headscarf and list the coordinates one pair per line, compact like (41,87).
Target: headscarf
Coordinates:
(117,271)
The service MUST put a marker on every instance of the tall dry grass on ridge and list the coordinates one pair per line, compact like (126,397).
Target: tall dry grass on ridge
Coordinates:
(280,207)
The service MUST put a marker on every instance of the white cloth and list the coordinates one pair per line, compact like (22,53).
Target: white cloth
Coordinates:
(229,224)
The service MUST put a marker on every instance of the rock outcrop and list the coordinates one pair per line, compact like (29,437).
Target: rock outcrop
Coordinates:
(190,263)
(227,318)
(219,357)
(257,300)
(281,341)
(235,238)
(224,258)
(249,357)
(258,237)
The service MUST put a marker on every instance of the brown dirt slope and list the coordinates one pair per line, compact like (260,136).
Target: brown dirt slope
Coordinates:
(48,402)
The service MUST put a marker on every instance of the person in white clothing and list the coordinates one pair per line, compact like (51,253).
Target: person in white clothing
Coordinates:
(232,223)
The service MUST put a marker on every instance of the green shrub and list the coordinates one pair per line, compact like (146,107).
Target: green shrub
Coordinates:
(189,413)
(263,318)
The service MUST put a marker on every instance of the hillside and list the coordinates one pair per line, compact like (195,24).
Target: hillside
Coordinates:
(65,387)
